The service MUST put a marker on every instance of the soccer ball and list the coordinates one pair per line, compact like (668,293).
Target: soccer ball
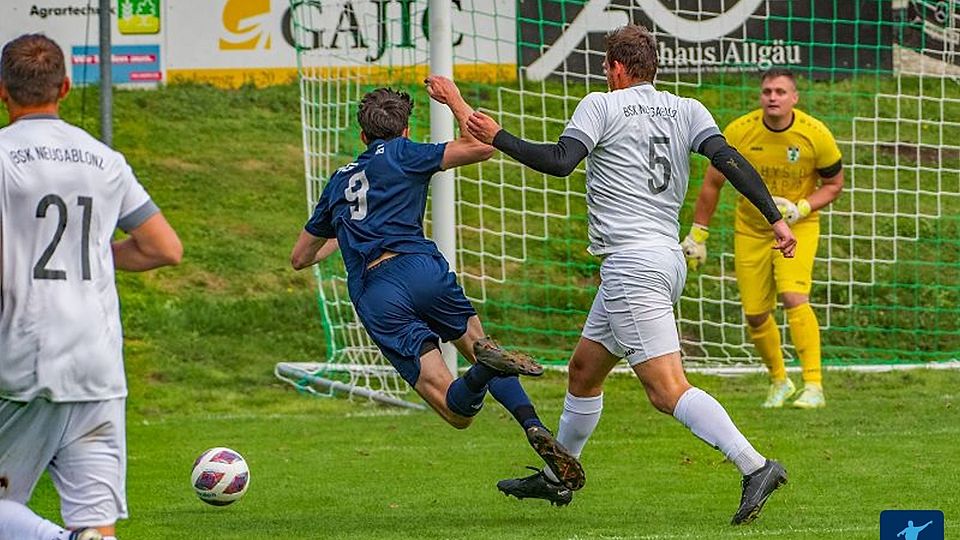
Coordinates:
(220,476)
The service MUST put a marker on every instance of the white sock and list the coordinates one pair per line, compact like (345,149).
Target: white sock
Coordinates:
(17,522)
(707,419)
(109,538)
(579,419)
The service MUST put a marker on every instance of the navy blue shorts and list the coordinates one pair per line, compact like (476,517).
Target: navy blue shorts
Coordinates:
(409,300)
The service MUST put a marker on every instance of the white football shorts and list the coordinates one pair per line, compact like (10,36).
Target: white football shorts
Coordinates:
(82,445)
(632,314)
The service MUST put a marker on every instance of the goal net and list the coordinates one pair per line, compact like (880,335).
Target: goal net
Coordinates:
(883,76)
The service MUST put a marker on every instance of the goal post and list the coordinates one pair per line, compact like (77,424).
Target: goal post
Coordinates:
(442,188)
(881,75)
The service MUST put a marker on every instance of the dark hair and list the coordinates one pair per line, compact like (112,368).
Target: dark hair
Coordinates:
(775,72)
(32,70)
(384,113)
(636,48)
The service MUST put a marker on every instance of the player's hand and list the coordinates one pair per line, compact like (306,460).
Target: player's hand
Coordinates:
(441,88)
(793,212)
(785,242)
(787,209)
(482,127)
(695,246)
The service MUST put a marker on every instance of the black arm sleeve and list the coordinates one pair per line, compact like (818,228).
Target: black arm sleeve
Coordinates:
(741,174)
(557,159)
(832,170)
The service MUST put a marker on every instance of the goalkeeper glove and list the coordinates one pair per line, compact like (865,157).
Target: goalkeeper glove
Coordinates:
(695,246)
(793,213)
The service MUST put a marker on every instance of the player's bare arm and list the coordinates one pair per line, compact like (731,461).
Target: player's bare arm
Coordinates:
(310,249)
(151,245)
(466,149)
(557,159)
(831,185)
(830,188)
(706,204)
(695,244)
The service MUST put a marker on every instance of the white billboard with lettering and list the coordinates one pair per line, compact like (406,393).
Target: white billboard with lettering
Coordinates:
(230,42)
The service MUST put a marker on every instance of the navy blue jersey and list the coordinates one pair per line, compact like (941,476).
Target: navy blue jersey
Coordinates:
(376,204)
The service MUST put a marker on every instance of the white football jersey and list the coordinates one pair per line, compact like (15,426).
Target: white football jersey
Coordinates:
(62,196)
(638,168)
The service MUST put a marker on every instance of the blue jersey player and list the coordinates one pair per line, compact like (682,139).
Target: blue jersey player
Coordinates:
(401,286)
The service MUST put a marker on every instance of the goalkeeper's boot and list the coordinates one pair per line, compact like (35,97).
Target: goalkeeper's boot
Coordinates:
(778,393)
(564,465)
(490,354)
(811,398)
(536,486)
(86,534)
(757,488)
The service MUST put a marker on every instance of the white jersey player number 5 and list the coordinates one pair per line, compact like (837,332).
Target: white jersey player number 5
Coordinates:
(639,141)
(661,161)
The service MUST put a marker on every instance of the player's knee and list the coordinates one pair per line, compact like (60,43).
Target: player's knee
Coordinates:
(791,300)
(580,380)
(575,373)
(665,397)
(662,402)
(757,320)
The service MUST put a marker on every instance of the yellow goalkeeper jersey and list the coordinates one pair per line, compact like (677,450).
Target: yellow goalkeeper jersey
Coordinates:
(789,161)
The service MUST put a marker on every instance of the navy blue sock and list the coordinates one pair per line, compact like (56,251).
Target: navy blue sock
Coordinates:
(510,394)
(464,400)
(478,376)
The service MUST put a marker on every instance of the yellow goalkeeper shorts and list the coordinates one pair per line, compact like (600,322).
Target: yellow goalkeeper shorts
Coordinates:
(763,272)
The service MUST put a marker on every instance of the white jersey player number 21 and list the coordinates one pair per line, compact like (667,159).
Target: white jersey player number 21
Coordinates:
(40,270)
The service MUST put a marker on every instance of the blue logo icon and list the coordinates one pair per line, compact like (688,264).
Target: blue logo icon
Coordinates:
(911,525)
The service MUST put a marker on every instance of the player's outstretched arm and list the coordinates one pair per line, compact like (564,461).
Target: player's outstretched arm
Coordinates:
(152,244)
(466,149)
(310,249)
(747,181)
(557,159)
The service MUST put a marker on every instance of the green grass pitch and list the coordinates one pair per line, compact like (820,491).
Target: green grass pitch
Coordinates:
(202,339)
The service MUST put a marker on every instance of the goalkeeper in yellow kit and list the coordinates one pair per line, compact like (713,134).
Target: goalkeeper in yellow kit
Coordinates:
(799,161)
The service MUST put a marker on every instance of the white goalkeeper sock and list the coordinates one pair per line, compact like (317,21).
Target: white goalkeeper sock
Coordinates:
(708,420)
(17,522)
(577,422)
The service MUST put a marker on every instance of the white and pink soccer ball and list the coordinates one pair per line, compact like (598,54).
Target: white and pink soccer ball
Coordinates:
(220,476)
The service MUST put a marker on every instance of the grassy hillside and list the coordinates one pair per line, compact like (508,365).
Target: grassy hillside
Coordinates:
(226,168)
